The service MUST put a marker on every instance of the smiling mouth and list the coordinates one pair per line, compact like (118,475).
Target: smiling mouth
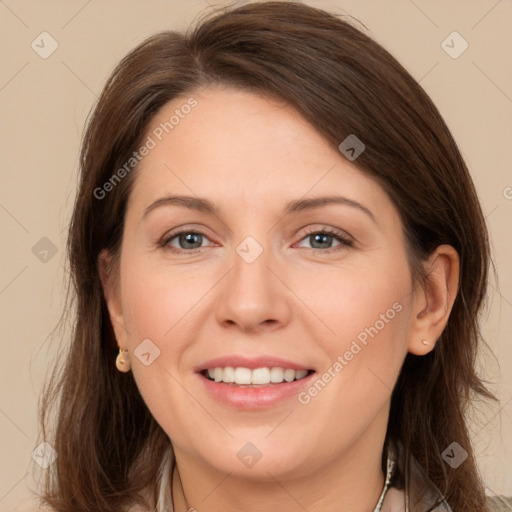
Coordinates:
(253,378)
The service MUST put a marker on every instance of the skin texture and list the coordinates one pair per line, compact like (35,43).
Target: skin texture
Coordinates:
(300,300)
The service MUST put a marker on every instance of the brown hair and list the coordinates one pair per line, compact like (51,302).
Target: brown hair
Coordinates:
(109,445)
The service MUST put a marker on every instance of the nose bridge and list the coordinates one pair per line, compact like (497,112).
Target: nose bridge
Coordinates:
(251,278)
(252,293)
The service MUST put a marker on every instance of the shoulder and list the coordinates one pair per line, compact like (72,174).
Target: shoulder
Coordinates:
(394,500)
(499,503)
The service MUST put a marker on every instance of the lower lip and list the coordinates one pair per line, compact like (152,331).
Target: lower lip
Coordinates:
(261,397)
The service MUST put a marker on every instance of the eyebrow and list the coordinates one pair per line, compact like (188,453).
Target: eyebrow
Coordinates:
(296,206)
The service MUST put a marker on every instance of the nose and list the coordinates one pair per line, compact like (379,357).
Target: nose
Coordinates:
(253,295)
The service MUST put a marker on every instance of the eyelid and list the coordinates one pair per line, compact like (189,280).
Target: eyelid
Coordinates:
(343,237)
(173,233)
(329,230)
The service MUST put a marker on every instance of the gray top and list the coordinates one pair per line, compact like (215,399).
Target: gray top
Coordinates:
(423,492)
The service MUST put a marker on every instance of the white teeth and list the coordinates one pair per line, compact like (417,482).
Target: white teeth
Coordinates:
(289,375)
(258,376)
(229,374)
(242,375)
(218,374)
(276,375)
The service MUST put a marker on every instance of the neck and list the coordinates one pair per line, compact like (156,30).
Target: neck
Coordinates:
(352,482)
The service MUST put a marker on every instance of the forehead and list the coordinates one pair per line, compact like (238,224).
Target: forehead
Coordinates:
(243,149)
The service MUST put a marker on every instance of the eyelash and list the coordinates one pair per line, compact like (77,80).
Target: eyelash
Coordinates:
(345,241)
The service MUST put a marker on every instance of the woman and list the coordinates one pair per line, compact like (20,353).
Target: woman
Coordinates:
(314,348)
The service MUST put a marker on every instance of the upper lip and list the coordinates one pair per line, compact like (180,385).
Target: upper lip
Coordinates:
(251,363)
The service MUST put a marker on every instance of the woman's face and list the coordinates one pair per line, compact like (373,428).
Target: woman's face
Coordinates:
(272,278)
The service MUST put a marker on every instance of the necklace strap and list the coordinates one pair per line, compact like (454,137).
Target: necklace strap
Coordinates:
(389,476)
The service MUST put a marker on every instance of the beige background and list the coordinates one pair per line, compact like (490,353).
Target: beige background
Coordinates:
(44,103)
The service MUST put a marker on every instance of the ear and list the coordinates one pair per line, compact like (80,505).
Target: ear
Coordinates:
(111,292)
(433,302)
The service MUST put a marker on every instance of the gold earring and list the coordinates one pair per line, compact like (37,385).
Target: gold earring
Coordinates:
(425,342)
(122,361)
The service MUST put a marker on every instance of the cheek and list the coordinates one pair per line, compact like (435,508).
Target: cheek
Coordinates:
(163,305)
(368,314)
(362,302)
(159,301)
(156,314)
(363,359)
